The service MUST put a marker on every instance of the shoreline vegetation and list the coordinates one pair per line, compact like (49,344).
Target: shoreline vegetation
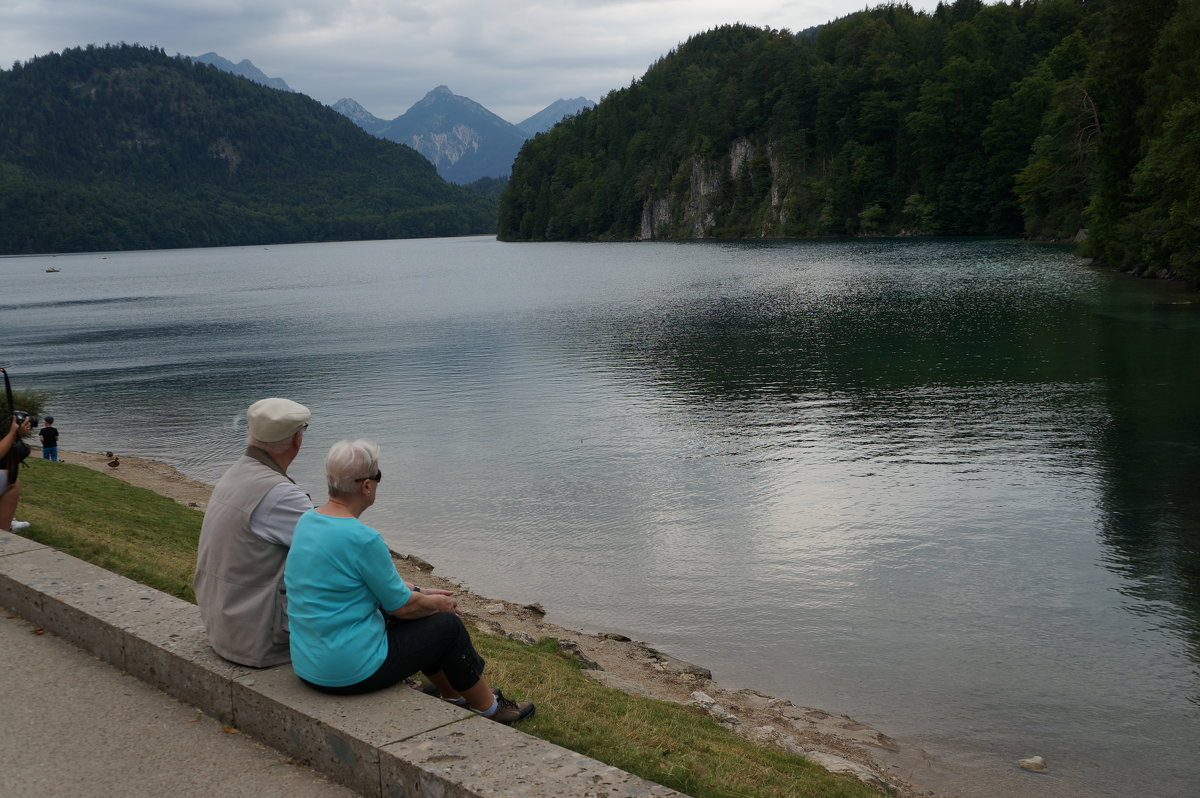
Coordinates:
(1047,119)
(646,711)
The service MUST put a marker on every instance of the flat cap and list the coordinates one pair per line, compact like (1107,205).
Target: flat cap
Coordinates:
(275,419)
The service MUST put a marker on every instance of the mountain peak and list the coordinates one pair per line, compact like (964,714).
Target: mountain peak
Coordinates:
(464,140)
(352,109)
(554,113)
(245,68)
(442,97)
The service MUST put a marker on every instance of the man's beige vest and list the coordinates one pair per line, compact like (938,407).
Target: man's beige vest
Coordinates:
(239,576)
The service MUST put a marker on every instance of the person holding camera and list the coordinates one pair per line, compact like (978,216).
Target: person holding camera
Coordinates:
(245,537)
(11,447)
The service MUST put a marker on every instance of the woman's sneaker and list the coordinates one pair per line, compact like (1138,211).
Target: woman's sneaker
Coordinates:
(18,525)
(509,712)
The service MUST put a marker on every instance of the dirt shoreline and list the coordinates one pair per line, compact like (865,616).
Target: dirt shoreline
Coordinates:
(838,742)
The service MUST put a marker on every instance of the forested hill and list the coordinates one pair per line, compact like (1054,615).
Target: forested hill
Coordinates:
(125,147)
(1040,117)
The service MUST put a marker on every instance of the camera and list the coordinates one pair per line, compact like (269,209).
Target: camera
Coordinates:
(21,415)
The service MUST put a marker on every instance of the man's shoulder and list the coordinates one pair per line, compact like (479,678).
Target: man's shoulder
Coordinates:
(247,480)
(246,467)
(288,493)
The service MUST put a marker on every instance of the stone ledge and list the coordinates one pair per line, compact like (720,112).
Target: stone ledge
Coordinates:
(391,744)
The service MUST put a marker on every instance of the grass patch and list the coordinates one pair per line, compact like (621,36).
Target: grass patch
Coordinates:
(677,746)
(122,528)
(151,539)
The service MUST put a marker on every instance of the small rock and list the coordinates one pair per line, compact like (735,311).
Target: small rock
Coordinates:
(535,608)
(765,735)
(769,735)
(572,648)
(1033,763)
(675,665)
(710,705)
(486,625)
(521,637)
(614,636)
(790,744)
(494,609)
(836,764)
(723,715)
(421,565)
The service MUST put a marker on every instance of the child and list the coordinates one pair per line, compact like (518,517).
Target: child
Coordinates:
(49,436)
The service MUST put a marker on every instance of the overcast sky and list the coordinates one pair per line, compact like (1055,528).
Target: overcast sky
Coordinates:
(513,56)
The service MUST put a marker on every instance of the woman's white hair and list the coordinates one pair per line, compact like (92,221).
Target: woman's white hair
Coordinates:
(348,462)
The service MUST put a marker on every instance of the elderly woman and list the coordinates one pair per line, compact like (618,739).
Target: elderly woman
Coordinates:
(10,487)
(355,625)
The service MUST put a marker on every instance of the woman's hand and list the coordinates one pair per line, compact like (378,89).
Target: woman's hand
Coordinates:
(427,602)
(441,599)
(15,431)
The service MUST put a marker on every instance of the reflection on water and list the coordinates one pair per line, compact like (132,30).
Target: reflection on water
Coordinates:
(944,486)
(1149,458)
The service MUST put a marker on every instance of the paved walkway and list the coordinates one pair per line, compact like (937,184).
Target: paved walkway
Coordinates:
(71,724)
(77,727)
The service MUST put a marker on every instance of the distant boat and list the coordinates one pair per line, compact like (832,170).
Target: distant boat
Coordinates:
(53,269)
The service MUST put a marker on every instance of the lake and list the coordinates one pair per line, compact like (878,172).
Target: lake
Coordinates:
(948,487)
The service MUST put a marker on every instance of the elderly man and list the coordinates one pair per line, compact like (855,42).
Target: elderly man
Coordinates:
(245,538)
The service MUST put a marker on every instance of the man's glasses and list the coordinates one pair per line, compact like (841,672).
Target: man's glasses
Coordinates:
(378,476)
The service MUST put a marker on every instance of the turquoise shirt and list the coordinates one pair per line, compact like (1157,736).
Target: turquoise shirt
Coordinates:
(339,574)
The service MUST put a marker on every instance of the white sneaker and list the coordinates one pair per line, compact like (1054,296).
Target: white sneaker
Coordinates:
(17,525)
